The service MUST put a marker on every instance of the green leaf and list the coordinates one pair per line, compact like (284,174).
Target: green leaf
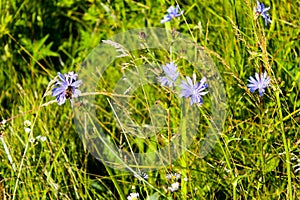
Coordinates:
(272,164)
(155,196)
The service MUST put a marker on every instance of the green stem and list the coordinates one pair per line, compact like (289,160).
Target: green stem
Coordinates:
(111,175)
(227,157)
(183,158)
(262,153)
(7,153)
(169,139)
(286,149)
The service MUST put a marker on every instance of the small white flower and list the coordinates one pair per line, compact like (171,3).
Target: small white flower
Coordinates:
(43,138)
(141,174)
(226,170)
(133,196)
(174,187)
(27,123)
(186,179)
(173,177)
(31,140)
(3,122)
(27,130)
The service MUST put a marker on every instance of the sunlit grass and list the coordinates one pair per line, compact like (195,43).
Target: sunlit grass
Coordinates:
(250,158)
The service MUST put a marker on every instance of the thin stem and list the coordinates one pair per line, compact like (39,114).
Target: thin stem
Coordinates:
(30,55)
(286,148)
(27,144)
(124,131)
(169,139)
(262,154)
(227,157)
(169,129)
(7,153)
(20,169)
(29,111)
(171,53)
(184,140)
(111,175)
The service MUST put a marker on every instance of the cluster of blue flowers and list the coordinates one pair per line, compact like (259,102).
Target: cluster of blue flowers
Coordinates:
(189,88)
(67,86)
(261,81)
(174,12)
(195,89)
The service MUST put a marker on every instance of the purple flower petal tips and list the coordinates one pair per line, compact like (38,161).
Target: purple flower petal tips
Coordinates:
(172,13)
(193,89)
(259,83)
(67,87)
(261,10)
(171,72)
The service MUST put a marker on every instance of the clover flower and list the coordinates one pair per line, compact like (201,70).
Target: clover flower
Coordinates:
(67,87)
(260,83)
(133,196)
(173,177)
(172,74)
(193,89)
(174,187)
(261,10)
(172,13)
(141,174)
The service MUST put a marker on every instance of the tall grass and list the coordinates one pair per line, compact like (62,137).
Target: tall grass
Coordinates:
(257,154)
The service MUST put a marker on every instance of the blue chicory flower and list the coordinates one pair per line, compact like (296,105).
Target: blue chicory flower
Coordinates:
(260,83)
(261,10)
(172,13)
(193,89)
(172,74)
(67,87)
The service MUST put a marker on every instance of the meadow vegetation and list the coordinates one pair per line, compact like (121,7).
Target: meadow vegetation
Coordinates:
(257,154)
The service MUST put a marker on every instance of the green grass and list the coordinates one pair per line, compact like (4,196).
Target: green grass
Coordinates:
(250,159)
